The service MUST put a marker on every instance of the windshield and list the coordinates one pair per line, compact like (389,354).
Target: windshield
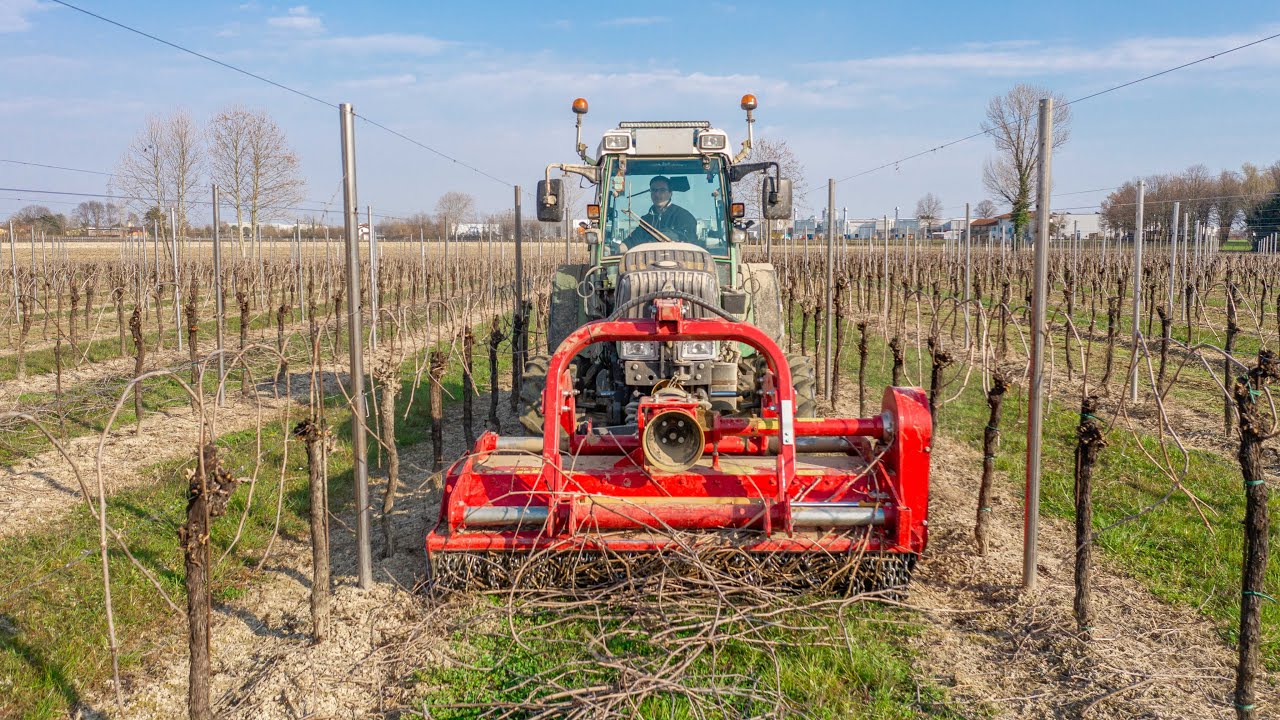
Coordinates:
(651,200)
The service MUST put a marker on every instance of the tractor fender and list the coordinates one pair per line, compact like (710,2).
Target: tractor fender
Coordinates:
(760,282)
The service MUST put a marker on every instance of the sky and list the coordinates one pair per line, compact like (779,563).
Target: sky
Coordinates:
(849,86)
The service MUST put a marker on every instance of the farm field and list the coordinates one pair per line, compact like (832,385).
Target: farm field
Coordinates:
(80,435)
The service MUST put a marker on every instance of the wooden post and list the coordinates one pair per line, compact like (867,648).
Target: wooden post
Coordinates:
(1248,393)
(1089,442)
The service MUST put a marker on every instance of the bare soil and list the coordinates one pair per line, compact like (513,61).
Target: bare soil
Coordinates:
(1000,651)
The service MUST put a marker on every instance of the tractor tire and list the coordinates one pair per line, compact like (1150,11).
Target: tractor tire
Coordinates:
(533,382)
(760,281)
(803,380)
(566,312)
(751,369)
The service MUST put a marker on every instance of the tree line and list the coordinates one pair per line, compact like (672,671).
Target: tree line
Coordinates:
(1246,199)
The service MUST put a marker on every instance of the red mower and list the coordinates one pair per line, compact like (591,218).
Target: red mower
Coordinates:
(835,502)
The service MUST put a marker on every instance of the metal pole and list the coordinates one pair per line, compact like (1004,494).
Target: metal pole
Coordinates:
(1137,290)
(885,305)
(968,273)
(1039,296)
(302,300)
(831,281)
(364,559)
(177,284)
(373,280)
(518,319)
(217,298)
(1173,255)
(13,263)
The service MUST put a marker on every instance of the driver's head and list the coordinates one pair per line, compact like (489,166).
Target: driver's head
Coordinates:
(660,190)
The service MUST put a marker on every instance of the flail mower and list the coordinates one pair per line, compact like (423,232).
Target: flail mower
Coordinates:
(668,422)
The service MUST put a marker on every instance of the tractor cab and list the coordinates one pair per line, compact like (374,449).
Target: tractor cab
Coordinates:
(663,222)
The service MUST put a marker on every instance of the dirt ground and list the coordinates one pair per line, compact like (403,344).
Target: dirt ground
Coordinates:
(999,651)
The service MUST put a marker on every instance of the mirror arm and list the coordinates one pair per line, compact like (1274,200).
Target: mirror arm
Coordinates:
(738,172)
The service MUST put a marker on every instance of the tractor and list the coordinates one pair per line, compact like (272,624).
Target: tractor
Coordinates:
(668,409)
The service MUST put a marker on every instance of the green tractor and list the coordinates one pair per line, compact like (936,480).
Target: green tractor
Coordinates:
(664,223)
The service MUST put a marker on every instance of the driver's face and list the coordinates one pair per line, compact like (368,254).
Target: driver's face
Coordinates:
(661,193)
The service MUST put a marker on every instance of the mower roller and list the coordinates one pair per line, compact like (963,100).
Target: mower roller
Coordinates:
(838,503)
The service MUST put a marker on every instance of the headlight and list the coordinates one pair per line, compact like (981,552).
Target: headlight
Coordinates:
(638,350)
(712,141)
(697,350)
(617,142)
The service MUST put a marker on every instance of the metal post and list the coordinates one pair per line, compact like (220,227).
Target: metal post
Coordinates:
(968,274)
(177,284)
(217,298)
(302,300)
(1137,291)
(1039,296)
(364,559)
(827,370)
(1173,255)
(518,319)
(885,305)
(373,280)
(13,263)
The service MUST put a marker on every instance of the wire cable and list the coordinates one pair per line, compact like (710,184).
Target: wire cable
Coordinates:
(1091,96)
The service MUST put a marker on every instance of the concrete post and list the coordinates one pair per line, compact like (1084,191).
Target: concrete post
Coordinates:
(355,348)
(1137,290)
(1039,298)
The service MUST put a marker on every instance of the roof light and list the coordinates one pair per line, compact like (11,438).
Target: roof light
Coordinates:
(617,142)
(580,106)
(748,102)
(712,141)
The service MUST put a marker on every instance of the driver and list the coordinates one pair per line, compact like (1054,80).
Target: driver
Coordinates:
(670,219)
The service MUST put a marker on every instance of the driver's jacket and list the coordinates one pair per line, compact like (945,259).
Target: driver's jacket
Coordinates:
(673,221)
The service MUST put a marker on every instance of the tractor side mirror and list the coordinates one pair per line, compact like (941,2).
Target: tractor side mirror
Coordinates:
(775,198)
(550,207)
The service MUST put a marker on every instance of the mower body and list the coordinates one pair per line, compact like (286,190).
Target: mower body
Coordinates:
(771,483)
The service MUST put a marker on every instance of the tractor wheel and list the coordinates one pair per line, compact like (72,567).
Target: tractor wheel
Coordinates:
(803,380)
(531,386)
(751,369)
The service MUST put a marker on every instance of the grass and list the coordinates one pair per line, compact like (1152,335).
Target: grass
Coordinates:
(1169,549)
(53,645)
(872,676)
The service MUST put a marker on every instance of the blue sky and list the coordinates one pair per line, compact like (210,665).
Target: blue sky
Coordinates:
(848,85)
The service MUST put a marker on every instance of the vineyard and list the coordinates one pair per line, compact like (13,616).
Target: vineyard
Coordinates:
(129,400)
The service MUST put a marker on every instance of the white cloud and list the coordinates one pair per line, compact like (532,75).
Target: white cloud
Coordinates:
(14,14)
(1026,57)
(381,82)
(385,43)
(634,21)
(299,19)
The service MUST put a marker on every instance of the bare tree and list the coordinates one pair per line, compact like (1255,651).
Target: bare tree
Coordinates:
(748,191)
(1012,123)
(229,160)
(184,161)
(274,180)
(929,211)
(986,209)
(454,207)
(96,214)
(141,173)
